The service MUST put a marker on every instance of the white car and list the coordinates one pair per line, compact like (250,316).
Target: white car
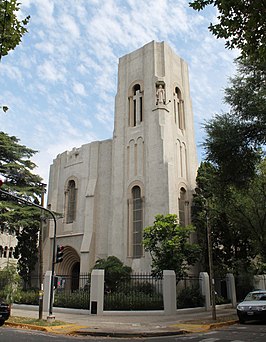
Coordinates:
(253,307)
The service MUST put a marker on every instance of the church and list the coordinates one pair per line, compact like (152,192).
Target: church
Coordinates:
(108,191)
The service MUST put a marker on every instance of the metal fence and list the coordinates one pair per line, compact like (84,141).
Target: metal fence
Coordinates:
(188,293)
(141,292)
(221,290)
(72,291)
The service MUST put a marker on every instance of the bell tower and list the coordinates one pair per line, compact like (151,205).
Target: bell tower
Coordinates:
(154,159)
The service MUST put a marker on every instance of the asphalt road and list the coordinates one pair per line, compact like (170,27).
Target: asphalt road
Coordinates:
(250,332)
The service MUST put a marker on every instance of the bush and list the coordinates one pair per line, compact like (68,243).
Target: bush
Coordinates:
(75,300)
(30,297)
(115,272)
(134,295)
(190,298)
(133,301)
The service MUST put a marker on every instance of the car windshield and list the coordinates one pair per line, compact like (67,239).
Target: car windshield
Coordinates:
(256,296)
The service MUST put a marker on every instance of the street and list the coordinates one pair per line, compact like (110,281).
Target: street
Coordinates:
(250,332)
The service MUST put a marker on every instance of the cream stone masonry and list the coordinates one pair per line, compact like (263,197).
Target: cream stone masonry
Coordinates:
(108,191)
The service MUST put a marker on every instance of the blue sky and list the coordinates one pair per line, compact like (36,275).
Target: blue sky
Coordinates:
(60,82)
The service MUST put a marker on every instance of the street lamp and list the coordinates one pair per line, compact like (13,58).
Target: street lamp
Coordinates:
(43,186)
(54,244)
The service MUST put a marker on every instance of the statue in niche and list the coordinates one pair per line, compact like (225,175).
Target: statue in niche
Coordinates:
(160,95)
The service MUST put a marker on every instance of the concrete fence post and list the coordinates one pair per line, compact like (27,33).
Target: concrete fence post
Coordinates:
(97,292)
(231,288)
(46,292)
(169,292)
(204,282)
(259,282)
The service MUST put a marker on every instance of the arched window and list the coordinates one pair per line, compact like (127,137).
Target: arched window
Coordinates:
(135,106)
(10,253)
(71,199)
(179,114)
(182,207)
(137,222)
(5,252)
(1,251)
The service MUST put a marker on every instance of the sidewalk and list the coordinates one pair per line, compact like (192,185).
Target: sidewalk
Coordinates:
(133,324)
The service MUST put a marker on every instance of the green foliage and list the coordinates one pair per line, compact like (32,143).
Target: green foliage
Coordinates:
(29,297)
(76,300)
(10,284)
(241,23)
(17,169)
(235,139)
(236,217)
(189,297)
(115,272)
(229,149)
(11,29)
(169,246)
(133,301)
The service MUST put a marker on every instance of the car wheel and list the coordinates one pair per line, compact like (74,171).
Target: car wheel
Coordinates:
(2,322)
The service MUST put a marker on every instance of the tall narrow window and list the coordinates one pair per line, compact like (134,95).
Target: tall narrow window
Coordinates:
(71,202)
(134,112)
(135,106)
(179,108)
(137,222)
(181,205)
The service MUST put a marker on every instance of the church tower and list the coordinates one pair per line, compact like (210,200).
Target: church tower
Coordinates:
(154,159)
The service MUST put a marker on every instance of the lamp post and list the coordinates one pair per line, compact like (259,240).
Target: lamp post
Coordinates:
(54,244)
(41,255)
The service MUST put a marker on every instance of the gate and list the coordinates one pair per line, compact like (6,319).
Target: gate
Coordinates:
(72,291)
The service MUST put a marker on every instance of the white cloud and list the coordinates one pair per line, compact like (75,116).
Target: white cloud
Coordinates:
(79,89)
(49,72)
(46,47)
(68,24)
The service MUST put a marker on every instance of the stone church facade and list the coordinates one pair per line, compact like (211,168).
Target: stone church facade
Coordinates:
(108,191)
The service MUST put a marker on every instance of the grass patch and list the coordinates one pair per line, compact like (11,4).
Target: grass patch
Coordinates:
(34,321)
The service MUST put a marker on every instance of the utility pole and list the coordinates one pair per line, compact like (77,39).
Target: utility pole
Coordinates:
(209,240)
(41,256)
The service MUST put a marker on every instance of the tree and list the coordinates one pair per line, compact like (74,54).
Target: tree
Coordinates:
(237,218)
(169,246)
(241,23)
(230,147)
(248,210)
(11,29)
(10,284)
(234,138)
(17,169)
(115,272)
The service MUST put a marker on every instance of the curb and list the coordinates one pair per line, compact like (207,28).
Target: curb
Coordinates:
(177,329)
(73,329)
(66,329)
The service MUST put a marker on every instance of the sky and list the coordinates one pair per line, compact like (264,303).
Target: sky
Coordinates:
(60,82)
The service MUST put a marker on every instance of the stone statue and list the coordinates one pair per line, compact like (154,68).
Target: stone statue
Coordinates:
(160,95)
